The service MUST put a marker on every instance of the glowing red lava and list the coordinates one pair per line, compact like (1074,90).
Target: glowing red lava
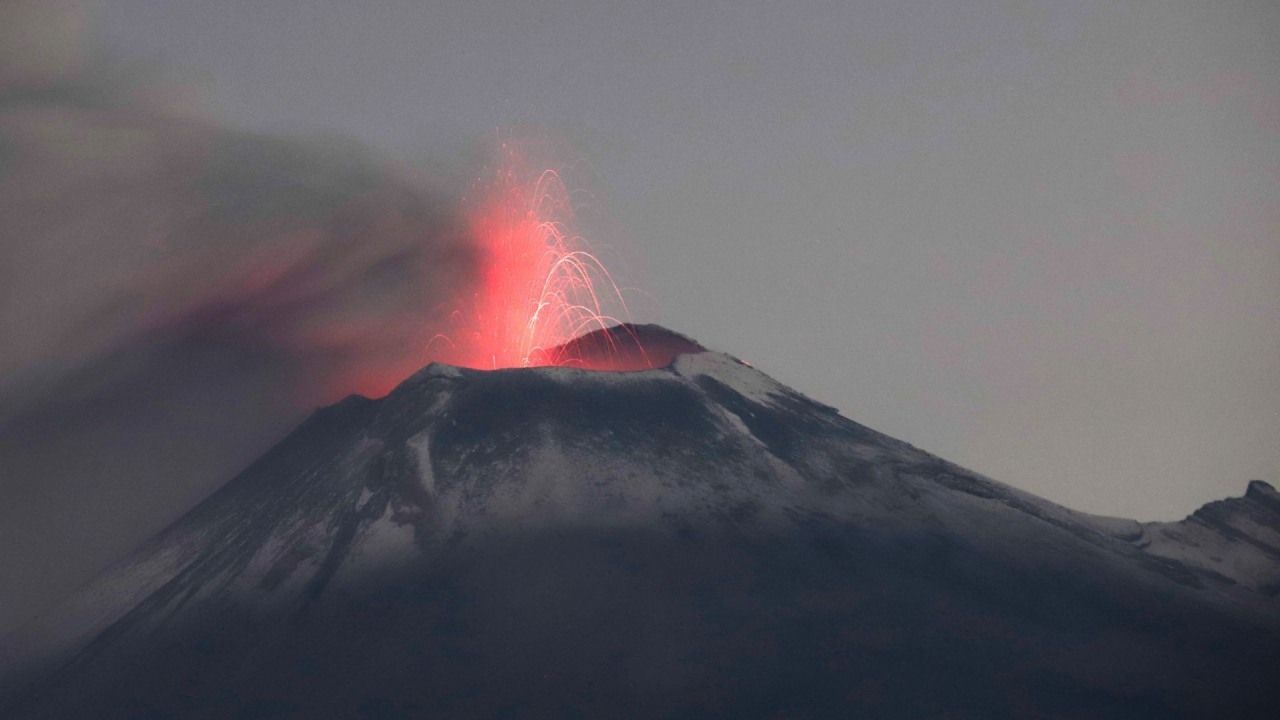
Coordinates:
(541,286)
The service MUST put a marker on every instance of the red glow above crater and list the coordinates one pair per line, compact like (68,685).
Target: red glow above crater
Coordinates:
(540,285)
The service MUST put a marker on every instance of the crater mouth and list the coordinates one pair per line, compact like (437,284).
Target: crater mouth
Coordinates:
(627,347)
(620,349)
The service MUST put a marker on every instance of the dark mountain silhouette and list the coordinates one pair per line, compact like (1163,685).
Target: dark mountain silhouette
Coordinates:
(695,540)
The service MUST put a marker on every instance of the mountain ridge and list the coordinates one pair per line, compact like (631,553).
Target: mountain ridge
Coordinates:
(389,514)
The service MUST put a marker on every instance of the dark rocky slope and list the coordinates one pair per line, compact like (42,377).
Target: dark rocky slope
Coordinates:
(690,541)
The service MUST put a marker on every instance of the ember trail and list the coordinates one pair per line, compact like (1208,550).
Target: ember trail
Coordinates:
(541,286)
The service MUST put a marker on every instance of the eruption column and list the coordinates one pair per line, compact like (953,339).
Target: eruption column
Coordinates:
(541,285)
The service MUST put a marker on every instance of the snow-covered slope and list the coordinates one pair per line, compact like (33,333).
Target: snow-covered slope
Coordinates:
(1237,539)
(694,539)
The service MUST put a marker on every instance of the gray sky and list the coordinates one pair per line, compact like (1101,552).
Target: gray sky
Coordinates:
(1039,239)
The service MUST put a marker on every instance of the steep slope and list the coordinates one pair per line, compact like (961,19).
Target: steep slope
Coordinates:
(1237,539)
(695,540)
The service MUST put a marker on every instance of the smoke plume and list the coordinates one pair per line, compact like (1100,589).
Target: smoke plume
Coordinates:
(174,295)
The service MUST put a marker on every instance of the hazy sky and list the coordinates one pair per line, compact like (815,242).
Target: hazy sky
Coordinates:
(1038,239)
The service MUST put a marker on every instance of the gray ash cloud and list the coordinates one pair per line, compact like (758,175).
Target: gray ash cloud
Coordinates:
(174,294)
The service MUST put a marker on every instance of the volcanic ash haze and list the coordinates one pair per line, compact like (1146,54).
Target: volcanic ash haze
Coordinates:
(175,295)
(693,540)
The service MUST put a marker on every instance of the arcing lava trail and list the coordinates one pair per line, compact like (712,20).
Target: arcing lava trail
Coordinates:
(541,284)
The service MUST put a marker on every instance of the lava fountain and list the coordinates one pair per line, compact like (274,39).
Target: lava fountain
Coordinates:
(540,285)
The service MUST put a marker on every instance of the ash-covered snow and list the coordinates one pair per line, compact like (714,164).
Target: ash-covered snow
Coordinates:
(743,379)
(1236,538)
(705,449)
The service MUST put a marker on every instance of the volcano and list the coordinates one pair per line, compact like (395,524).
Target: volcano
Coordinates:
(686,539)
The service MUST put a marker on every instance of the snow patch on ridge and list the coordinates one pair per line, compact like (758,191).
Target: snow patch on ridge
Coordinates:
(741,378)
(1236,538)
(420,444)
